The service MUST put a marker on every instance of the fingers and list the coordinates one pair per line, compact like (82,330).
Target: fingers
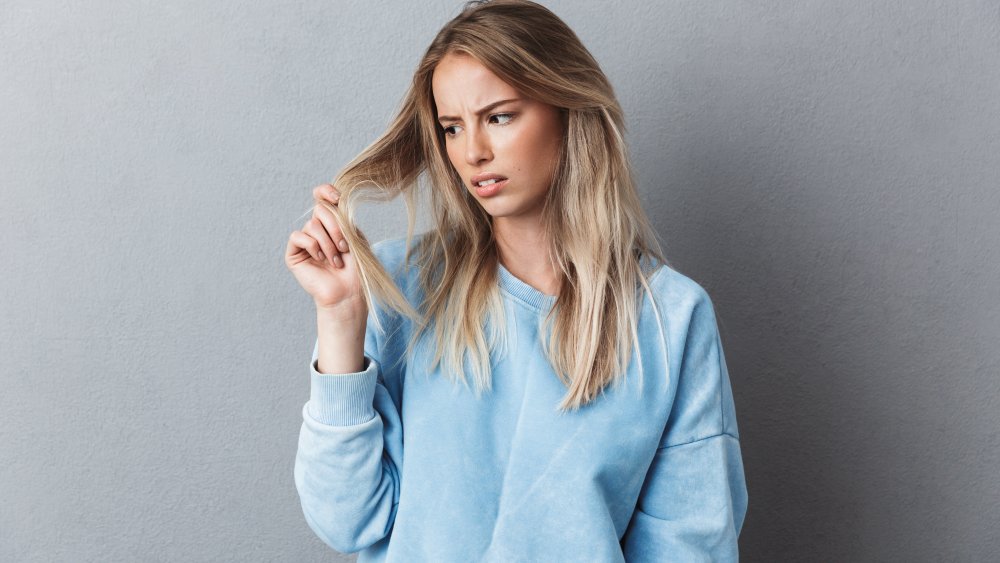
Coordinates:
(319,233)
(330,193)
(299,241)
(316,229)
(327,192)
(329,222)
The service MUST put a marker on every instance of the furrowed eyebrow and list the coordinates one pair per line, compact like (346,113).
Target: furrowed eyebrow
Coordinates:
(443,118)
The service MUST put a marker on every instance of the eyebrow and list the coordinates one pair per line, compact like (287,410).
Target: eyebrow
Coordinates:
(484,109)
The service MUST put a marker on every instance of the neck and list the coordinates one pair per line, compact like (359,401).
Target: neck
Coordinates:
(523,249)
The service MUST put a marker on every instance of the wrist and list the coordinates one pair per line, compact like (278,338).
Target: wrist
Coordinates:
(343,313)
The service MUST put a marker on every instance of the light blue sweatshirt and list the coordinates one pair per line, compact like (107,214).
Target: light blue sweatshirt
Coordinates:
(650,471)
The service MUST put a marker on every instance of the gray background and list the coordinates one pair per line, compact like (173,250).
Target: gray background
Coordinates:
(828,171)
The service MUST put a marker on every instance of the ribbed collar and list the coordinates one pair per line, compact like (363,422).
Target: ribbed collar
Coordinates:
(524,292)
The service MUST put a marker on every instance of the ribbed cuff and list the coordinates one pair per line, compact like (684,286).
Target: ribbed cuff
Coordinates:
(343,399)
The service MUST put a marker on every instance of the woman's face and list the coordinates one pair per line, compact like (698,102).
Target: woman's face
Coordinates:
(491,129)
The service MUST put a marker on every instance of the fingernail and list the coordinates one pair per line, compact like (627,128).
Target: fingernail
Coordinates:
(320,256)
(342,245)
(338,261)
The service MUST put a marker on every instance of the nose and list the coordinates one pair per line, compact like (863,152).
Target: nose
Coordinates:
(477,147)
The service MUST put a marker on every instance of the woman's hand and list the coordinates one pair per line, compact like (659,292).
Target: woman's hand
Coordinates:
(321,262)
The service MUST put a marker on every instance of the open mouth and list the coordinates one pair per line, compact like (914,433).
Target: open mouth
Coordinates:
(490,187)
(483,180)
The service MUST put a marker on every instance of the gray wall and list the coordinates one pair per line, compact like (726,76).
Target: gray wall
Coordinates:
(827,170)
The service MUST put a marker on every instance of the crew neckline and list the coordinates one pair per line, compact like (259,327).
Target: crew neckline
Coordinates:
(524,292)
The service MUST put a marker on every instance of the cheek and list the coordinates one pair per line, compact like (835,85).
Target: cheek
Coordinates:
(544,156)
(452,151)
(541,149)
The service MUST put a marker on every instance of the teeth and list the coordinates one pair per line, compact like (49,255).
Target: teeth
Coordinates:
(488,182)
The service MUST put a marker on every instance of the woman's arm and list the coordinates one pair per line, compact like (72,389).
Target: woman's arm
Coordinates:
(341,342)
(350,450)
(693,502)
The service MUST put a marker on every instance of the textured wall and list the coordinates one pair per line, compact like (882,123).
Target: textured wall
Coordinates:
(827,170)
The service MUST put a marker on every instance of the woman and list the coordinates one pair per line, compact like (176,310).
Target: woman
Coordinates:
(601,423)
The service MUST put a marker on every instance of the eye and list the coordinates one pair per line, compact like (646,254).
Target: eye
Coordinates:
(503,116)
(449,130)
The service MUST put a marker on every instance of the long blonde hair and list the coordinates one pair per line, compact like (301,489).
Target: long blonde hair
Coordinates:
(599,236)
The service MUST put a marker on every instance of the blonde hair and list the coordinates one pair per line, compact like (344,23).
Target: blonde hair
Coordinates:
(599,236)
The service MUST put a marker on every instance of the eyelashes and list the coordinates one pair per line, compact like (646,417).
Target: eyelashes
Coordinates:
(450,132)
(509,116)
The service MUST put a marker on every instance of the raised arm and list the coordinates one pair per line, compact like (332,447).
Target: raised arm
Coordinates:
(350,447)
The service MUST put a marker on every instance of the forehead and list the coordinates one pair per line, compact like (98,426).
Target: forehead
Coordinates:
(461,80)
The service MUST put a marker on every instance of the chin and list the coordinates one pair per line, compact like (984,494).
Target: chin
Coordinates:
(501,211)
(493,210)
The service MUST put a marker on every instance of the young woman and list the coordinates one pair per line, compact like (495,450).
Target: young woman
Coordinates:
(600,423)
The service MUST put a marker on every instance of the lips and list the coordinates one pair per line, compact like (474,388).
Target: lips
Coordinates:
(484,177)
(492,189)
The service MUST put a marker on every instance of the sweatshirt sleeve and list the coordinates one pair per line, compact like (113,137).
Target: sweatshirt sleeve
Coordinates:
(350,448)
(692,504)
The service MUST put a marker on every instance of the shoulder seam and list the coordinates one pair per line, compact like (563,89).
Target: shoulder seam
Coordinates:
(733,436)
